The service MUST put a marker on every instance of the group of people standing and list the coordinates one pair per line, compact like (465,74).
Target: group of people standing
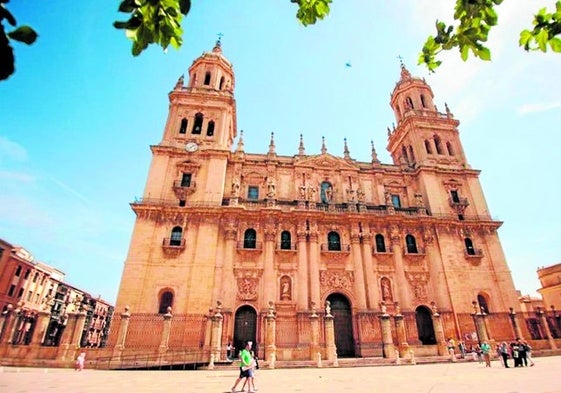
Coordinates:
(520,351)
(248,365)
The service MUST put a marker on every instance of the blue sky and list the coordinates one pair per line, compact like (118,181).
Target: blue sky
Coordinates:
(77,118)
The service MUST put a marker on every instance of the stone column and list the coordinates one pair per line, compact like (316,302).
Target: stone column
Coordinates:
(271,284)
(41,326)
(302,283)
(122,334)
(402,344)
(271,335)
(438,331)
(402,284)
(166,331)
(69,337)
(314,342)
(371,287)
(359,284)
(480,326)
(331,349)
(515,324)
(438,279)
(314,267)
(216,332)
(543,321)
(387,339)
(228,288)
(8,321)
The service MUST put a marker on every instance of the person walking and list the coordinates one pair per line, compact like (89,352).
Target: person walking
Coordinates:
(503,351)
(486,350)
(528,350)
(246,368)
(80,361)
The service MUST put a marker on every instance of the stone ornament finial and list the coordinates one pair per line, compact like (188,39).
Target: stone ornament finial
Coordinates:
(434,309)
(271,309)
(328,308)
(313,307)
(383,308)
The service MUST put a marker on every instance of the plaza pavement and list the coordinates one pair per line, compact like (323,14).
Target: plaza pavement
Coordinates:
(469,377)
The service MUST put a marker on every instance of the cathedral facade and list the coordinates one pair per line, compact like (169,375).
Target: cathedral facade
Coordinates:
(226,240)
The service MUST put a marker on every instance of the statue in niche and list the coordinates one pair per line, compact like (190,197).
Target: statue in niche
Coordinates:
(360,195)
(419,200)
(271,189)
(235,188)
(327,308)
(386,290)
(312,193)
(388,197)
(350,195)
(302,192)
(329,194)
(286,291)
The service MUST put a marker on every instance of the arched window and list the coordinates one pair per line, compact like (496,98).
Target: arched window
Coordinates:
(333,241)
(286,240)
(210,128)
(207,78)
(483,306)
(176,236)
(469,246)
(380,243)
(438,144)
(221,85)
(411,244)
(423,103)
(427,147)
(250,238)
(166,300)
(409,103)
(411,154)
(449,148)
(404,153)
(183,127)
(198,124)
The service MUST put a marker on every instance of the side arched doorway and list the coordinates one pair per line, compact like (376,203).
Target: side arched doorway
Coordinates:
(245,328)
(425,328)
(343,325)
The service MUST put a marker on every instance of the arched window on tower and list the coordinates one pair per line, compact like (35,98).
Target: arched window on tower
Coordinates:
(404,153)
(483,303)
(449,148)
(207,78)
(470,250)
(427,146)
(286,241)
(411,244)
(333,241)
(183,127)
(409,103)
(380,243)
(176,236)
(438,144)
(411,154)
(198,124)
(166,300)
(221,85)
(250,238)
(423,102)
(210,128)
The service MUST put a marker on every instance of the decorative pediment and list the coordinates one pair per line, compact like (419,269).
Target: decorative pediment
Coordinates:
(327,160)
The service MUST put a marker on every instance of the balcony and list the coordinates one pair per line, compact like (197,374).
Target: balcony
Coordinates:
(182,191)
(173,247)
(249,246)
(286,247)
(474,255)
(458,203)
(414,256)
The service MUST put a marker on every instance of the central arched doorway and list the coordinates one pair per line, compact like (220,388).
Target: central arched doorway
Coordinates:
(245,328)
(343,325)
(425,328)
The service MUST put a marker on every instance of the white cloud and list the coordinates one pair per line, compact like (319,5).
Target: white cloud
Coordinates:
(12,150)
(540,107)
(16,176)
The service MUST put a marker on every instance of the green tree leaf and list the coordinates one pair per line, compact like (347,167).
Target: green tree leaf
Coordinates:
(24,34)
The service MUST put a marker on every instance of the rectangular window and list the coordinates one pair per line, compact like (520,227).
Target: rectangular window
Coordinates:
(29,294)
(252,192)
(186,180)
(20,293)
(396,202)
(27,274)
(18,271)
(12,290)
(181,203)
(455,196)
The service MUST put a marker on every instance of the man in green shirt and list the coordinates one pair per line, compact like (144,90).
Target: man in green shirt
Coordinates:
(246,368)
(486,349)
